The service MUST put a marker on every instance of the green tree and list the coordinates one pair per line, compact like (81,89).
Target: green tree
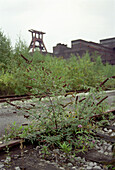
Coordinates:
(20,48)
(5,48)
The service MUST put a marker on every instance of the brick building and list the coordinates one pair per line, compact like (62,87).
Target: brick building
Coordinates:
(106,49)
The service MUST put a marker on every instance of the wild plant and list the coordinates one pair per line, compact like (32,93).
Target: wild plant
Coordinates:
(68,118)
(12,131)
(61,116)
(65,147)
(45,151)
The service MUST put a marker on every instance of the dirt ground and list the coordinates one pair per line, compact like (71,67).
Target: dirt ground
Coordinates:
(28,160)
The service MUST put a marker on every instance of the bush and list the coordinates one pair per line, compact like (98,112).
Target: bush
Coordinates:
(6,83)
(82,72)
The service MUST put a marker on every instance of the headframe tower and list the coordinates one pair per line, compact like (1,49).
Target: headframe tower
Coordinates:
(37,41)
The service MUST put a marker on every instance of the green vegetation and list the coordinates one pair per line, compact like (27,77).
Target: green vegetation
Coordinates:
(19,77)
(5,49)
(55,122)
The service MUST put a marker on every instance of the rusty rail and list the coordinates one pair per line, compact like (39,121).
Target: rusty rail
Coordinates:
(13,98)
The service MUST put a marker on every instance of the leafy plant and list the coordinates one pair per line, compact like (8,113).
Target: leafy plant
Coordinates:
(13,131)
(65,147)
(45,151)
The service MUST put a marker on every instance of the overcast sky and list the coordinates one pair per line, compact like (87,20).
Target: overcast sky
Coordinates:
(61,20)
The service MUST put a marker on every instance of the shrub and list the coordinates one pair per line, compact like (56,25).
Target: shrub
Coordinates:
(6,83)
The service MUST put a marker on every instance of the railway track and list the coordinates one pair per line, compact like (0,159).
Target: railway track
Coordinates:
(19,97)
(13,98)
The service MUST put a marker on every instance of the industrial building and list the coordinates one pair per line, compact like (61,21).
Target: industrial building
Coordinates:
(105,49)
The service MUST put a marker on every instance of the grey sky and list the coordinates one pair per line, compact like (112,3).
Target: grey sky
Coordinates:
(62,20)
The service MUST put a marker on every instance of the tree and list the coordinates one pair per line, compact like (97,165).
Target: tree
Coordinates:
(5,48)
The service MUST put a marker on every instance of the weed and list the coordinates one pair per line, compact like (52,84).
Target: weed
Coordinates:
(44,150)
(65,147)
(60,124)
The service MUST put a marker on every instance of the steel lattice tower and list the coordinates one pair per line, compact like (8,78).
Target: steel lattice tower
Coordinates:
(37,41)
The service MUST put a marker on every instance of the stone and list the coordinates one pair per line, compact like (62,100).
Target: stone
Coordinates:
(110,154)
(48,162)
(61,168)
(101,151)
(74,168)
(102,132)
(105,129)
(78,158)
(85,166)
(37,148)
(110,148)
(94,163)
(97,147)
(1,165)
(8,159)
(91,164)
(17,168)
(113,134)
(69,164)
(106,153)
(89,168)
(41,164)
(96,167)
(25,151)
(105,147)
(2,160)
(105,143)
(83,160)
(110,130)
